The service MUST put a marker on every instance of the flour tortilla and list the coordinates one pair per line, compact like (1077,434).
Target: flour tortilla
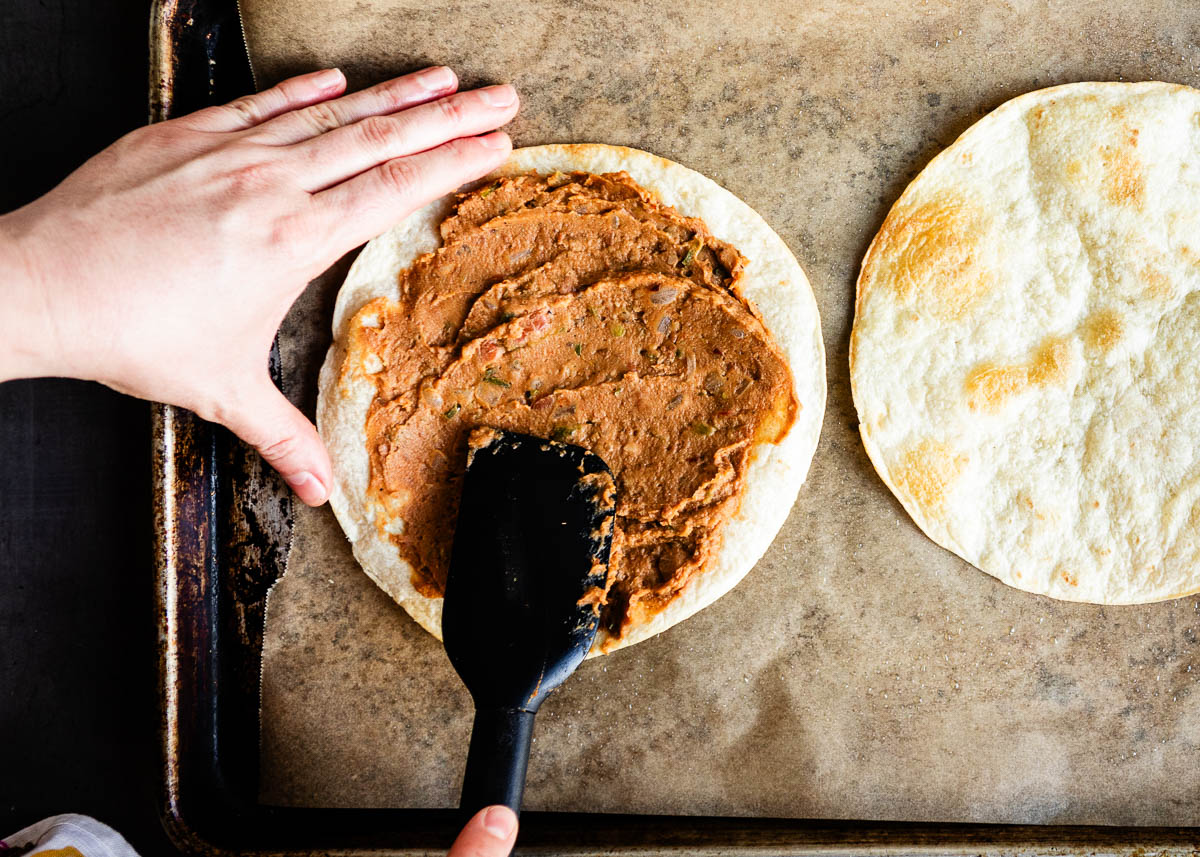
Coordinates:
(1025,356)
(773,281)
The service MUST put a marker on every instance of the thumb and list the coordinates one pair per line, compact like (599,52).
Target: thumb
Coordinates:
(286,440)
(490,833)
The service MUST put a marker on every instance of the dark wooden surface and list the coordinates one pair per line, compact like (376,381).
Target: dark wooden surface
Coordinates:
(77,633)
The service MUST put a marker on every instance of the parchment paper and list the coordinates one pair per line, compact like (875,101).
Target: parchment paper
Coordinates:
(859,670)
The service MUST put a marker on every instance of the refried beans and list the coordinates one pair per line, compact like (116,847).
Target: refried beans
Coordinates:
(578,308)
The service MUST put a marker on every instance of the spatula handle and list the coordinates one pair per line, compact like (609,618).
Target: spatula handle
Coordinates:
(497,759)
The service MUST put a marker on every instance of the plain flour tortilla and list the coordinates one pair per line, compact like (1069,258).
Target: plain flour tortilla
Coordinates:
(1026,347)
(773,282)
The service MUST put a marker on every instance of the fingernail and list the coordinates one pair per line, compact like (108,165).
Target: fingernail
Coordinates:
(494,140)
(309,487)
(499,821)
(329,78)
(498,96)
(435,79)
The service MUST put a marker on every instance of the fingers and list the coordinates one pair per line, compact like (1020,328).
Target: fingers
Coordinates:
(388,97)
(251,110)
(370,203)
(330,158)
(285,439)
(490,833)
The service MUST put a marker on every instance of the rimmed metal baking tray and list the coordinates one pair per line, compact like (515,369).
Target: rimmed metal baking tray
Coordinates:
(222,528)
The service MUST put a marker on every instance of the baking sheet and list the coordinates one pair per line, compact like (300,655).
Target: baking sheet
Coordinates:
(859,671)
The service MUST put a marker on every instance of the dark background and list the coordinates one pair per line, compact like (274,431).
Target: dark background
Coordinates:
(78,709)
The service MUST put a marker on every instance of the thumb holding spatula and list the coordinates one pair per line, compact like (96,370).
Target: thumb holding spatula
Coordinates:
(491,832)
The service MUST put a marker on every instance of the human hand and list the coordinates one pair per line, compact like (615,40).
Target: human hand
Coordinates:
(164,265)
(491,832)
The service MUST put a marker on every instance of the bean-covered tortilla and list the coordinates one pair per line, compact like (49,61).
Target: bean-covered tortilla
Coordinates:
(578,308)
(596,295)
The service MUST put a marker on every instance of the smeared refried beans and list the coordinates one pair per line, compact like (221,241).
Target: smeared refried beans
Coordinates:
(574,307)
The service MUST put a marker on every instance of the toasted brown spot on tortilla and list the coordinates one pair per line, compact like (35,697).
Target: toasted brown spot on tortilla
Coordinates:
(989,386)
(1157,284)
(1103,330)
(1124,182)
(932,251)
(928,472)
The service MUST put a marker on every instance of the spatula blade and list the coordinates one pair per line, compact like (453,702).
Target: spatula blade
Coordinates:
(532,540)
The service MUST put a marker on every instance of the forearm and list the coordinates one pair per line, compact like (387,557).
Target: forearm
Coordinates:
(28,339)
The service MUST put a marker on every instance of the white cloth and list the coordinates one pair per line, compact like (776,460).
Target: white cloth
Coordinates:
(66,836)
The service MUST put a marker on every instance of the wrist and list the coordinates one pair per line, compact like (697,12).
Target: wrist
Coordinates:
(29,346)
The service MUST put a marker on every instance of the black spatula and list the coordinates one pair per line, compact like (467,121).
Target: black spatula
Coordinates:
(532,539)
